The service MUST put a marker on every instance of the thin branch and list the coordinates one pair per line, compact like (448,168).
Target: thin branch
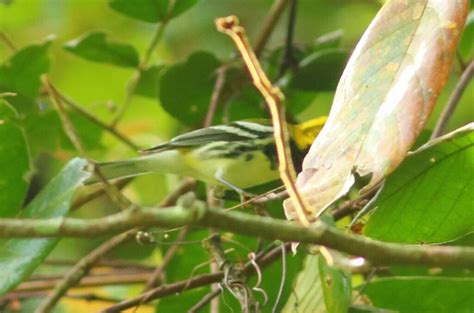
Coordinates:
(269,25)
(79,109)
(289,60)
(7,41)
(81,269)
(274,98)
(453,101)
(66,122)
(377,252)
(205,300)
(152,281)
(195,282)
(283,277)
(79,202)
(216,95)
(88,281)
(110,263)
(132,83)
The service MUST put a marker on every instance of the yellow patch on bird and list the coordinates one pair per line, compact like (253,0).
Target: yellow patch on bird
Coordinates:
(305,133)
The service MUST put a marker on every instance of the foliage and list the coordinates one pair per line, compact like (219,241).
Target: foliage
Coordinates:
(167,59)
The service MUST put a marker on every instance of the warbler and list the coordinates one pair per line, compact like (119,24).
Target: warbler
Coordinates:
(237,156)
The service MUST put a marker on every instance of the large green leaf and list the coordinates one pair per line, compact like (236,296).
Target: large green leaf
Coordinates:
(152,11)
(21,74)
(14,162)
(95,47)
(319,288)
(423,294)
(19,257)
(186,88)
(384,98)
(429,197)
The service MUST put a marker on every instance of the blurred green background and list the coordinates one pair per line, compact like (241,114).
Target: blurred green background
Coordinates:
(101,88)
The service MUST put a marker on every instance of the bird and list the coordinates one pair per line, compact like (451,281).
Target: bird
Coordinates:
(238,155)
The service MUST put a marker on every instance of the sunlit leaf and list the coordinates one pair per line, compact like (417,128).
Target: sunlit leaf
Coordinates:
(152,11)
(186,88)
(429,197)
(19,257)
(95,47)
(422,294)
(14,162)
(384,98)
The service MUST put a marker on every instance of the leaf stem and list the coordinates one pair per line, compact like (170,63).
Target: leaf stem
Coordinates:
(453,101)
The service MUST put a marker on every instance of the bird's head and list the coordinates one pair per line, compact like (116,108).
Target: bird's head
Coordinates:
(304,134)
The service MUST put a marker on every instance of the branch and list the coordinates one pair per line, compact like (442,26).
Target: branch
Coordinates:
(269,25)
(82,268)
(453,101)
(274,99)
(198,281)
(377,252)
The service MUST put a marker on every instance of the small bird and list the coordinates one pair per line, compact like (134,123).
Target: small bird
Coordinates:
(237,156)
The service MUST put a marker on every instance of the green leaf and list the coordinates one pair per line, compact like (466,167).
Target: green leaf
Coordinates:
(21,74)
(423,294)
(14,162)
(336,286)
(182,6)
(149,82)
(429,198)
(153,11)
(320,71)
(95,47)
(186,88)
(20,257)
(307,295)
(466,45)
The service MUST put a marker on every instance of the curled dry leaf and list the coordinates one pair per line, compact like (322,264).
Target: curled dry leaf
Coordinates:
(384,98)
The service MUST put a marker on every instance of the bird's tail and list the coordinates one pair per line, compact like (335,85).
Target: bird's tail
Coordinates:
(163,162)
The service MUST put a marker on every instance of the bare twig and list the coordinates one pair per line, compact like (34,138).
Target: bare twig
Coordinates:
(79,109)
(453,100)
(216,94)
(205,300)
(132,83)
(274,98)
(289,60)
(269,25)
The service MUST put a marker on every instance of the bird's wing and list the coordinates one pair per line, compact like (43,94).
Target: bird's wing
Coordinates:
(236,131)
